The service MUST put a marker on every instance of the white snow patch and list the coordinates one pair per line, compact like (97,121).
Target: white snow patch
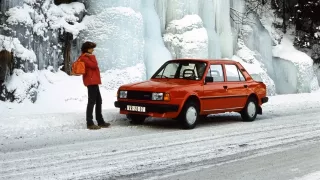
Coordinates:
(59,92)
(30,1)
(13,45)
(64,16)
(312,176)
(23,84)
(306,77)
(54,17)
(20,15)
(287,51)
(187,38)
(113,79)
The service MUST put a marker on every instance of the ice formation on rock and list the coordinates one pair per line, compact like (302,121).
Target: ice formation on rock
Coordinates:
(187,38)
(143,34)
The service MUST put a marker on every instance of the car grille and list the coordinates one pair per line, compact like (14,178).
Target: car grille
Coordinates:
(139,95)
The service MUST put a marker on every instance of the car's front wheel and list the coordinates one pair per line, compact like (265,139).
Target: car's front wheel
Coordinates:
(250,111)
(136,118)
(189,115)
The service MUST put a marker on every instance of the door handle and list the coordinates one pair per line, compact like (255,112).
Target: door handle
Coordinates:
(225,87)
(246,86)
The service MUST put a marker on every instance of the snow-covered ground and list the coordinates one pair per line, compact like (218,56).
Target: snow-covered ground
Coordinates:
(55,144)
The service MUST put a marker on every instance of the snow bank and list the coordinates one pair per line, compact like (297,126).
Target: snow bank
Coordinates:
(58,92)
(13,45)
(23,85)
(187,38)
(305,78)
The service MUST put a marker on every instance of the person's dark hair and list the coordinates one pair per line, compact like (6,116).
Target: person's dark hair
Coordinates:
(87,45)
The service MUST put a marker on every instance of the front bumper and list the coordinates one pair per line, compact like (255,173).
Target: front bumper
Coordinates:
(149,108)
(264,100)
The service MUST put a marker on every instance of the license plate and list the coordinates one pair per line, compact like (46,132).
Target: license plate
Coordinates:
(136,108)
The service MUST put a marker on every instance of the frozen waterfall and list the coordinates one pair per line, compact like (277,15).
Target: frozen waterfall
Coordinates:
(134,37)
(215,16)
(155,52)
(117,28)
(291,70)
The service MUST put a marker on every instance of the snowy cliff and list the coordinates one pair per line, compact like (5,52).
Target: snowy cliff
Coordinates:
(135,37)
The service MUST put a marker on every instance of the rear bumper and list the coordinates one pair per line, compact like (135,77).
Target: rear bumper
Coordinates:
(149,108)
(264,100)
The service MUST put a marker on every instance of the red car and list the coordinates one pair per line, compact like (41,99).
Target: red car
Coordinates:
(188,89)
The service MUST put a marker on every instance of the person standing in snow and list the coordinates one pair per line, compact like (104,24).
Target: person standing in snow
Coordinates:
(91,80)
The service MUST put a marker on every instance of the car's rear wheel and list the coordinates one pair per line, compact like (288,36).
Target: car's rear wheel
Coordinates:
(250,111)
(189,115)
(136,118)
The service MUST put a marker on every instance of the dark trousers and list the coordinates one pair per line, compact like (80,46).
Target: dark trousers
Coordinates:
(94,98)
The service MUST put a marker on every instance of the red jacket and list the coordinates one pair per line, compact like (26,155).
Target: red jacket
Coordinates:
(92,75)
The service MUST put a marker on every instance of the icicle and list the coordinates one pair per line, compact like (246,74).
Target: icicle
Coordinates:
(155,53)
(117,28)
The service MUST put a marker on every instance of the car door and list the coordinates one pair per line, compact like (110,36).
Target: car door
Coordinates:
(236,87)
(214,92)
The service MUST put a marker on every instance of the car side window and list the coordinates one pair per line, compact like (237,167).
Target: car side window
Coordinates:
(216,72)
(233,73)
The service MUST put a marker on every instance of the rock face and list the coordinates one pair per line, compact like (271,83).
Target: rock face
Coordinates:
(39,27)
(187,38)
(316,52)
(6,65)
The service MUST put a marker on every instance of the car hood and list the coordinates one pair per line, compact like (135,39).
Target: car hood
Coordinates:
(159,85)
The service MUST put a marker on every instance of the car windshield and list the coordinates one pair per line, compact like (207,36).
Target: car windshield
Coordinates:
(181,70)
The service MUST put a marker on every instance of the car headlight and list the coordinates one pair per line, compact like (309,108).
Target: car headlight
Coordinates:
(157,96)
(160,96)
(123,94)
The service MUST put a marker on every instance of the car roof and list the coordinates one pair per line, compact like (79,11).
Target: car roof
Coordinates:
(222,61)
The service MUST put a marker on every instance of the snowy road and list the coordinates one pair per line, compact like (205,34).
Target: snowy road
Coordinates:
(288,134)
(291,163)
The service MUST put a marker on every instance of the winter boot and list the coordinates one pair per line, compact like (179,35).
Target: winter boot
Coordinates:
(104,125)
(93,127)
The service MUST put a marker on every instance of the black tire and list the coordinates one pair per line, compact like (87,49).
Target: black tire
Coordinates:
(190,107)
(203,117)
(136,119)
(250,111)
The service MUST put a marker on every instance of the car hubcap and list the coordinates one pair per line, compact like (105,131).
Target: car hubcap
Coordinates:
(191,115)
(251,109)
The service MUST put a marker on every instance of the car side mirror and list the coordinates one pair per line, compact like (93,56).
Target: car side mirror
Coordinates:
(208,79)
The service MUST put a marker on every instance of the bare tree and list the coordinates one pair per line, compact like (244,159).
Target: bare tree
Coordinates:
(252,7)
